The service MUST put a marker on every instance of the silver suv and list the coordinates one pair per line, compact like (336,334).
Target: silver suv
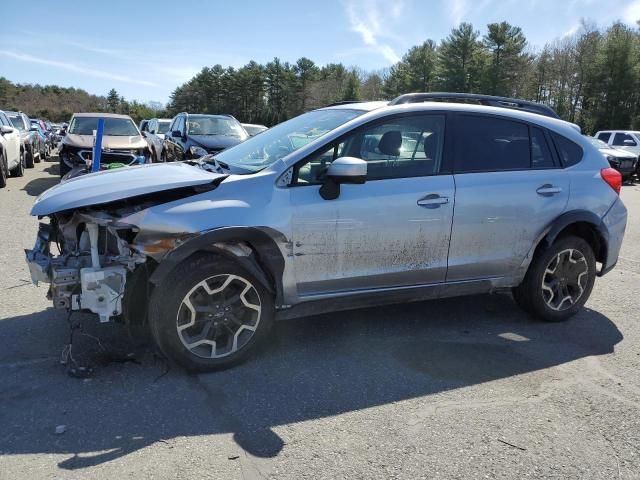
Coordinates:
(346,206)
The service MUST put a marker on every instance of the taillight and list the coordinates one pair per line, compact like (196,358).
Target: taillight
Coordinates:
(613,178)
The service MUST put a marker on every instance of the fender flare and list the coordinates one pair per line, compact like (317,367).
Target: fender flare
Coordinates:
(267,266)
(576,216)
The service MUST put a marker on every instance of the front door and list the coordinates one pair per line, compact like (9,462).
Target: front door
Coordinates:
(392,230)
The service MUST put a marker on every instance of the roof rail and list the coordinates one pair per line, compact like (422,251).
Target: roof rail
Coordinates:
(343,102)
(490,100)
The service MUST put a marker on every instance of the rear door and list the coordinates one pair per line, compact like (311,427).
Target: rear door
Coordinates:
(392,230)
(509,186)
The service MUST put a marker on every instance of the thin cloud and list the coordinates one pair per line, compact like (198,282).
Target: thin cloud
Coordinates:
(91,48)
(459,10)
(23,57)
(368,26)
(632,12)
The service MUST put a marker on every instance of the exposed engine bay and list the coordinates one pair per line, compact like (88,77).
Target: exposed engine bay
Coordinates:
(94,262)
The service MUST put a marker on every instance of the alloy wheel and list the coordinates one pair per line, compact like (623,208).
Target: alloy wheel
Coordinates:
(219,316)
(564,279)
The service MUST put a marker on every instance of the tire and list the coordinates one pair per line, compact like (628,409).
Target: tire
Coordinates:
(4,171)
(547,303)
(18,171)
(64,168)
(193,346)
(28,159)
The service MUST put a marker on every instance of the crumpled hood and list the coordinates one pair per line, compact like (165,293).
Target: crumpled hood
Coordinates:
(117,184)
(108,141)
(215,141)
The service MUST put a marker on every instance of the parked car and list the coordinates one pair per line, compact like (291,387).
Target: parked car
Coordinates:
(623,161)
(628,140)
(43,140)
(361,214)
(154,134)
(11,155)
(253,129)
(31,142)
(122,142)
(196,135)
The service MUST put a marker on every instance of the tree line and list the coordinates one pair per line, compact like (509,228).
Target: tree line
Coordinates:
(57,104)
(591,78)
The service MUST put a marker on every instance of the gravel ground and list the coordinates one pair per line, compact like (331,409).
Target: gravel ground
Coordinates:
(459,388)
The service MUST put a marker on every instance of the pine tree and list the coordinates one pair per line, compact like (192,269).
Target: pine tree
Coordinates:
(113,100)
(460,59)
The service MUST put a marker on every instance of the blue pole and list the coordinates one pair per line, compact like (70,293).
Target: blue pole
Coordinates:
(97,148)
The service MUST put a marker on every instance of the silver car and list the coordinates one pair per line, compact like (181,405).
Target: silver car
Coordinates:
(342,207)
(623,161)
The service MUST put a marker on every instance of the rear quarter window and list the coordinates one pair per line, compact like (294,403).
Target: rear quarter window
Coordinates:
(570,153)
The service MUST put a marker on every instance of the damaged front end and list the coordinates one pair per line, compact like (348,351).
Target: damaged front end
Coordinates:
(91,254)
(95,259)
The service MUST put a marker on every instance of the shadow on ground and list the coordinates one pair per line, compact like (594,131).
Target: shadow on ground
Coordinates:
(312,368)
(38,185)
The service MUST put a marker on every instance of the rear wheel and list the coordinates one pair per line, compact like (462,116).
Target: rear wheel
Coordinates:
(18,171)
(4,171)
(210,313)
(559,280)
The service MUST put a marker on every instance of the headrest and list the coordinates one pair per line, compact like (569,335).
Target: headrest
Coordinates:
(390,143)
(431,146)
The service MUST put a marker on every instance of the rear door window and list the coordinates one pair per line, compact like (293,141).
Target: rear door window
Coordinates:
(487,144)
(541,156)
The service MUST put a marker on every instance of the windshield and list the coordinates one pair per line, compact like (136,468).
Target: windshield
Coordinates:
(115,127)
(597,143)
(212,125)
(277,142)
(254,129)
(163,126)
(17,122)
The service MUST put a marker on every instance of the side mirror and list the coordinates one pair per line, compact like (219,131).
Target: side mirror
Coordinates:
(176,134)
(343,170)
(630,143)
(5,129)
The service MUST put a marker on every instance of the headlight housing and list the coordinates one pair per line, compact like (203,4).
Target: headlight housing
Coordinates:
(197,151)
(613,159)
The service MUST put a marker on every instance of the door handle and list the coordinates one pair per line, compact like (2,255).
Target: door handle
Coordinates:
(548,190)
(433,201)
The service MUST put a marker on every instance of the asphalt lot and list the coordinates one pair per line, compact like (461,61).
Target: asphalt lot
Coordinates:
(458,388)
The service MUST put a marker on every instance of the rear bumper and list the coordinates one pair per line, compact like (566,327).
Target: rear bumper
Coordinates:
(615,221)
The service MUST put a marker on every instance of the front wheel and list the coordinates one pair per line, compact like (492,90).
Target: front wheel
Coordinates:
(210,313)
(559,280)
(28,158)
(64,168)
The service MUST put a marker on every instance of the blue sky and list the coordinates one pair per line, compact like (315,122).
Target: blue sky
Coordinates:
(145,49)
